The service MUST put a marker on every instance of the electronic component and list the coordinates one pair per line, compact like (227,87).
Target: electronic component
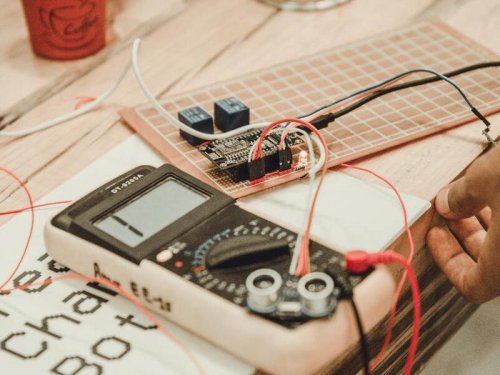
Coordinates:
(310,296)
(231,154)
(347,139)
(230,114)
(189,252)
(263,286)
(256,170)
(197,119)
(321,122)
(317,294)
(285,159)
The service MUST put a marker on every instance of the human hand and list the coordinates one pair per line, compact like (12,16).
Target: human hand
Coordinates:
(468,250)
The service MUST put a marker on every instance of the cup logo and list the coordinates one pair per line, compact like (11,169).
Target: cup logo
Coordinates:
(70,26)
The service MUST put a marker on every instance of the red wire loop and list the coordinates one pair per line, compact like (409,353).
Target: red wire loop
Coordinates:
(19,210)
(303,265)
(30,231)
(394,305)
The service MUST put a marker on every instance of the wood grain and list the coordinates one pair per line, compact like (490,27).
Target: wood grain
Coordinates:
(181,63)
(219,39)
(33,79)
(30,155)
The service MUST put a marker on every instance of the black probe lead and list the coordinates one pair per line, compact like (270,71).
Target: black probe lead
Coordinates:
(362,338)
(330,117)
(343,282)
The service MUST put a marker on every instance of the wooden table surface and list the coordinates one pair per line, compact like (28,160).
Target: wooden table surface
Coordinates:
(194,43)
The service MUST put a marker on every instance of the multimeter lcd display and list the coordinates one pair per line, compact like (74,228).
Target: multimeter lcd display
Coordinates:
(152,211)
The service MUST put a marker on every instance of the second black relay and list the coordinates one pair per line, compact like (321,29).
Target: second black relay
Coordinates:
(230,114)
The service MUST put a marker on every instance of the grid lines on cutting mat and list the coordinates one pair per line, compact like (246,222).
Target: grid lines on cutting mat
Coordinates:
(302,85)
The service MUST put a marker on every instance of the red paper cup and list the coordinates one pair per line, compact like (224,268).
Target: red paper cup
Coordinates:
(66,29)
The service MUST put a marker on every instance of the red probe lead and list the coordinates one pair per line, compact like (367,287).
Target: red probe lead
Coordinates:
(359,261)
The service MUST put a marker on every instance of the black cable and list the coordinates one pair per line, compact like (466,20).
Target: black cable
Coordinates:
(327,118)
(362,338)
(389,80)
(323,120)
(343,282)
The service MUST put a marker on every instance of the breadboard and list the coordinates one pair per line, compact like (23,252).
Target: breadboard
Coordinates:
(300,86)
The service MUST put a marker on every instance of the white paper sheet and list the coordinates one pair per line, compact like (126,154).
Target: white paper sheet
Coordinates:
(90,332)
(349,214)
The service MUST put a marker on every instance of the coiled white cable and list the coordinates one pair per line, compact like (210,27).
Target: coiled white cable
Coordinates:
(152,100)
(100,99)
(70,115)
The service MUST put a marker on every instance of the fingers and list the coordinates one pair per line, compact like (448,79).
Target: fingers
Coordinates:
(469,252)
(478,188)
(458,267)
(460,199)
(484,217)
(470,234)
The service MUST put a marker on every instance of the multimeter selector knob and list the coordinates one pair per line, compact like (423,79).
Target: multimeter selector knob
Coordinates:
(244,251)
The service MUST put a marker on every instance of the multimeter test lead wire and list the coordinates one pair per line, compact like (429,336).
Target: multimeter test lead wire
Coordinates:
(36,206)
(411,242)
(359,261)
(301,251)
(362,337)
(130,297)
(31,227)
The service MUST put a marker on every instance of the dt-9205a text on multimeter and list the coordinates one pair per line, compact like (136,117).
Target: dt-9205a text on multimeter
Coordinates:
(190,253)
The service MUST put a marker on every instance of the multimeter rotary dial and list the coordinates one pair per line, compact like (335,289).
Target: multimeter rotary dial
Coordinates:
(220,254)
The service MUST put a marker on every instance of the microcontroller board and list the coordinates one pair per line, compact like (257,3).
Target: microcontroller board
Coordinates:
(231,154)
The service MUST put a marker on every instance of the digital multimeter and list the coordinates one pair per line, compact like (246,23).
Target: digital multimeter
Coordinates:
(189,252)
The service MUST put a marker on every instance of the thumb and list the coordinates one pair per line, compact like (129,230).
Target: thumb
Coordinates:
(462,198)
